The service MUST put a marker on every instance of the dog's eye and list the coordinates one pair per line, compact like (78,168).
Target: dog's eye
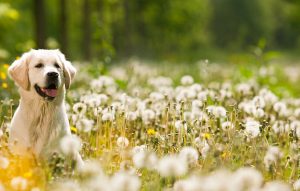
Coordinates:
(39,65)
(57,66)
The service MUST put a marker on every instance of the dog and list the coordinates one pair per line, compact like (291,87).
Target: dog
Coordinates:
(40,121)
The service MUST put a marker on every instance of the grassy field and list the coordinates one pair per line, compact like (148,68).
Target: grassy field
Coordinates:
(206,126)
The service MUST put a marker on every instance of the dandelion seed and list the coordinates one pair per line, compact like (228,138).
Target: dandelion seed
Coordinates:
(19,183)
(79,108)
(252,128)
(84,125)
(246,179)
(276,186)
(171,166)
(272,156)
(122,181)
(145,159)
(107,116)
(4,162)
(187,80)
(122,142)
(189,154)
(70,145)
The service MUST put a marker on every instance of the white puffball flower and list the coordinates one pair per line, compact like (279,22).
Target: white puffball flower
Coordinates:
(180,125)
(189,154)
(19,183)
(148,115)
(84,125)
(246,178)
(122,181)
(122,142)
(252,128)
(276,186)
(193,183)
(171,166)
(4,162)
(296,185)
(70,145)
(272,156)
(187,80)
(108,116)
(145,159)
(79,108)
(131,116)
(227,125)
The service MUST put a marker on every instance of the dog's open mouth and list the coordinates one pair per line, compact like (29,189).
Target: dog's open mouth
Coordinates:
(49,92)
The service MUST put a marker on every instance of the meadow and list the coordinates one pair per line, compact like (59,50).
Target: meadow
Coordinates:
(141,126)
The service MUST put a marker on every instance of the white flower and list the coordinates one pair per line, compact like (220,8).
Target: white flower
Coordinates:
(243,89)
(227,125)
(276,186)
(189,154)
(246,178)
(84,125)
(19,183)
(196,105)
(190,184)
(296,185)
(180,125)
(272,156)
(108,116)
(148,115)
(252,128)
(187,80)
(145,159)
(122,181)
(122,142)
(4,162)
(70,145)
(79,108)
(131,116)
(171,166)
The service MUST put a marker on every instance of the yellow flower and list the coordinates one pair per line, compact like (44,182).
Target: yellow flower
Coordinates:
(4,85)
(225,154)
(5,66)
(27,174)
(206,135)
(73,129)
(18,57)
(2,75)
(151,132)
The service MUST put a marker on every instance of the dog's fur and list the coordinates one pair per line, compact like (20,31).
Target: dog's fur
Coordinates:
(39,122)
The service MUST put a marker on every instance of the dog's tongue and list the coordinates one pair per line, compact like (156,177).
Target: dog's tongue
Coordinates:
(50,92)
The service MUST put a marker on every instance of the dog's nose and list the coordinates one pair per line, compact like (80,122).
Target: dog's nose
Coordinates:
(52,74)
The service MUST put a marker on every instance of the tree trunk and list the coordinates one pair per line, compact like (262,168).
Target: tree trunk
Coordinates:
(86,30)
(64,27)
(39,19)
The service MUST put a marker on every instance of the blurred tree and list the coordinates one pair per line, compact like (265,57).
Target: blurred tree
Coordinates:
(63,26)
(40,27)
(86,30)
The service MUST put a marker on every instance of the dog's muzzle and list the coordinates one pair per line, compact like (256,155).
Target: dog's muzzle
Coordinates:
(51,90)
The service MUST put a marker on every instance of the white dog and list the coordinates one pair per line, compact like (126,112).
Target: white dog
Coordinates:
(40,120)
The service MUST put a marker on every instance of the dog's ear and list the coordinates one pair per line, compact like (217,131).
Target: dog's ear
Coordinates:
(69,70)
(18,71)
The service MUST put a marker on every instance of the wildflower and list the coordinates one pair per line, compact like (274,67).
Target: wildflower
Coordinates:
(227,125)
(3,75)
(272,156)
(296,185)
(206,135)
(246,178)
(122,181)
(276,186)
(4,85)
(243,89)
(122,142)
(196,105)
(70,145)
(79,108)
(180,125)
(171,166)
(19,183)
(189,154)
(186,80)
(148,115)
(108,116)
(4,162)
(84,125)
(190,184)
(205,149)
(252,128)
(73,129)
(151,132)
(145,159)
(131,116)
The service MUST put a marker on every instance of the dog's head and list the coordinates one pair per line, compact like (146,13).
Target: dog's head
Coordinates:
(42,71)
